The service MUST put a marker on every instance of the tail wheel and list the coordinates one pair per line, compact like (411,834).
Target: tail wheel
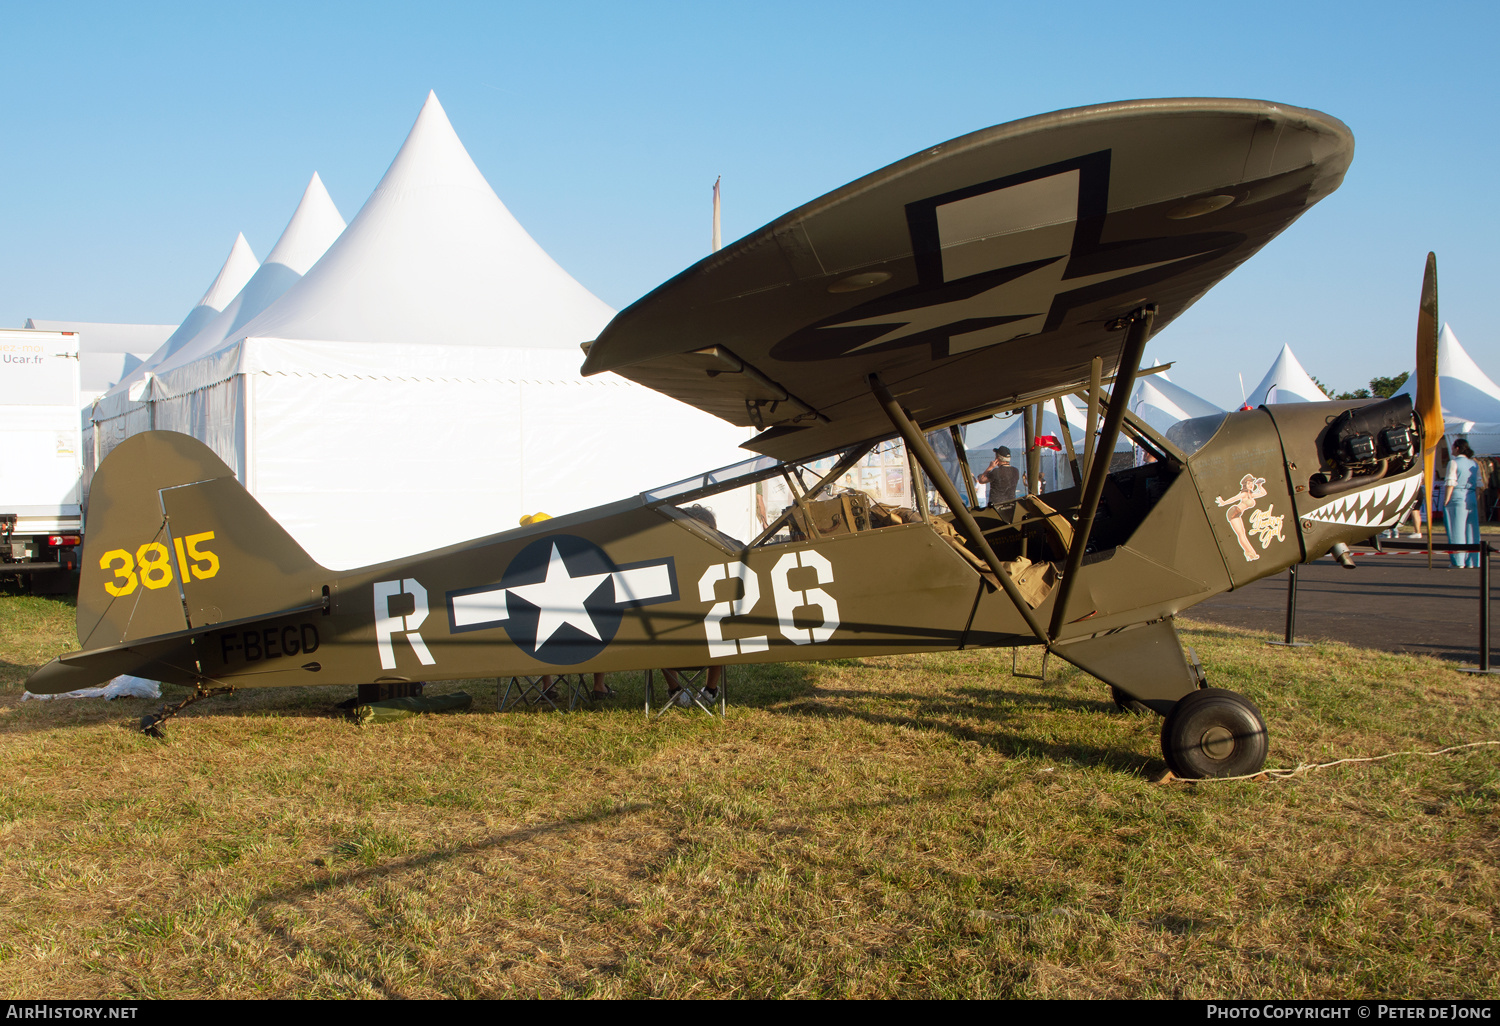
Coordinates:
(1214,733)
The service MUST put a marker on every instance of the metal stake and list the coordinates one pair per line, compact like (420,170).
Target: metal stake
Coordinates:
(1484,611)
(1291,613)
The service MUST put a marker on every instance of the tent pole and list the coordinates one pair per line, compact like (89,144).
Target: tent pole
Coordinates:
(963,461)
(1033,458)
(1062,422)
(1096,372)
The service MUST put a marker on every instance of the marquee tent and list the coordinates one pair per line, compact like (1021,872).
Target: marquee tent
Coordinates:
(1471,401)
(1467,392)
(239,267)
(419,385)
(118,406)
(1286,382)
(315,224)
(236,270)
(1162,403)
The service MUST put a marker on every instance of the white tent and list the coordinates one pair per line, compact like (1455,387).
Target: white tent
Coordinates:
(1471,401)
(108,352)
(314,226)
(1467,392)
(419,385)
(1286,382)
(1162,403)
(239,267)
(435,257)
(118,413)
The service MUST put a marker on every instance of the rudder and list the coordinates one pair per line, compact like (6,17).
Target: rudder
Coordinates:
(172,541)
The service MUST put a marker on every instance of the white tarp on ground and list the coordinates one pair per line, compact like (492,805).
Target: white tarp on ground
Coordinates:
(419,386)
(1286,382)
(1471,401)
(108,352)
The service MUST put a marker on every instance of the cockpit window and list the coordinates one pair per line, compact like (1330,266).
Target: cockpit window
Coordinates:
(1192,435)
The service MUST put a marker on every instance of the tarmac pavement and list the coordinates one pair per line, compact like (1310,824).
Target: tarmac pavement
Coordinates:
(1390,601)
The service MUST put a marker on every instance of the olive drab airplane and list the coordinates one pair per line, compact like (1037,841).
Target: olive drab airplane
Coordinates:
(1002,270)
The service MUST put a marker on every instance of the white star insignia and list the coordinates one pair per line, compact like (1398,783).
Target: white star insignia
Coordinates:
(559,598)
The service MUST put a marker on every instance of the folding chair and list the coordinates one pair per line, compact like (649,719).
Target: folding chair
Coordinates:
(694,693)
(568,687)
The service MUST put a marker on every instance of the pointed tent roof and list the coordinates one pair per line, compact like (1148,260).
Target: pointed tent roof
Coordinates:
(434,256)
(239,267)
(1161,403)
(1286,382)
(1467,392)
(314,226)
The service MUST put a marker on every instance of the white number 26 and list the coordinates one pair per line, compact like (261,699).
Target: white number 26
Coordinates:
(788,601)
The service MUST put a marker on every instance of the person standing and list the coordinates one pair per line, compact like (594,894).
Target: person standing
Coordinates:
(1001,477)
(1461,503)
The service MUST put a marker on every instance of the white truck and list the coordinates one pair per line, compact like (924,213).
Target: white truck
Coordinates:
(41,511)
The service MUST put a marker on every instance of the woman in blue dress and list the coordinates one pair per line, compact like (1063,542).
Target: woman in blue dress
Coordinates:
(1461,503)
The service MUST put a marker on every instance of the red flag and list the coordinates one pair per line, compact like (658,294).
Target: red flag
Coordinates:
(1048,442)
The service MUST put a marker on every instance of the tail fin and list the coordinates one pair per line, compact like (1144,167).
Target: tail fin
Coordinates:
(172,542)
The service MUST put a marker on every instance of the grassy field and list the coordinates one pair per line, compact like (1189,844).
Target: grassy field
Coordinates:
(886,827)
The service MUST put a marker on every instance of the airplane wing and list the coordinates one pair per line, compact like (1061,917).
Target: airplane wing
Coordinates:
(977,275)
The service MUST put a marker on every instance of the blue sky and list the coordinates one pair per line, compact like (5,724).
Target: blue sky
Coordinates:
(139,141)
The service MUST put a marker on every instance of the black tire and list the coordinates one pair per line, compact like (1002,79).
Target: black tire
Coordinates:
(1214,733)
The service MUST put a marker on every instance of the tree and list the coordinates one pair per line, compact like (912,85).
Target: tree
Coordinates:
(1380,388)
(1358,393)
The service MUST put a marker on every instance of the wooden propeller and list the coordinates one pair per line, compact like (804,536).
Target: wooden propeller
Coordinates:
(1429,403)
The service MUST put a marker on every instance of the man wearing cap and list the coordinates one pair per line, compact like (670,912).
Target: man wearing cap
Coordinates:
(1001,477)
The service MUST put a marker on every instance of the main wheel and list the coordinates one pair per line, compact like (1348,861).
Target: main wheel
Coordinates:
(1214,733)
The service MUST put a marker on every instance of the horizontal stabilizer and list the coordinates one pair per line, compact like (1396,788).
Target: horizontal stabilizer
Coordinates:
(166,657)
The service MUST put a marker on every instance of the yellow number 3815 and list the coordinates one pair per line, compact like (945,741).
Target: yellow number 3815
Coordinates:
(152,564)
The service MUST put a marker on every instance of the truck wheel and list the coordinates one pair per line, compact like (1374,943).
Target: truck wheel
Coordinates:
(1214,733)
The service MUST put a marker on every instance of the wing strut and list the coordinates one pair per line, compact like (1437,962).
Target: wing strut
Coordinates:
(1138,330)
(916,444)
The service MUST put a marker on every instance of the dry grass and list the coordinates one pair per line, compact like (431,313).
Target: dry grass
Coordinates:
(901,826)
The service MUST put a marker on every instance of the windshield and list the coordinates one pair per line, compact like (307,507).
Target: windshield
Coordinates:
(1192,435)
(709,482)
